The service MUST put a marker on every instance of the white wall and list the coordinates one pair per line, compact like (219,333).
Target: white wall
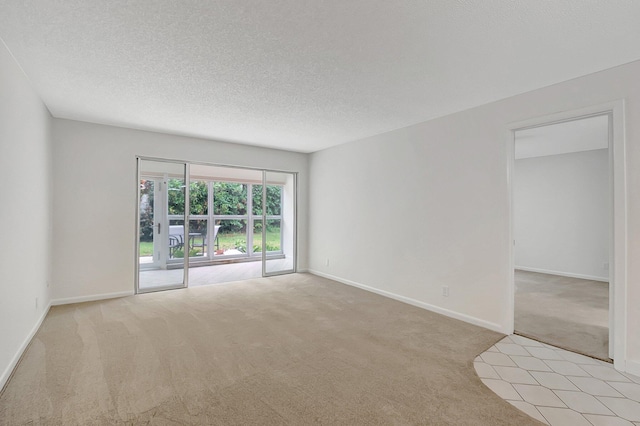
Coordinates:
(561,214)
(94,171)
(25,212)
(409,211)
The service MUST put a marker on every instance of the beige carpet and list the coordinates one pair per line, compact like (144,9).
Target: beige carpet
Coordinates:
(570,313)
(294,349)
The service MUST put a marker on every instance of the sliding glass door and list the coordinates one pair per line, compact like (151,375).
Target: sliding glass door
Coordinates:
(164,240)
(278,223)
(217,223)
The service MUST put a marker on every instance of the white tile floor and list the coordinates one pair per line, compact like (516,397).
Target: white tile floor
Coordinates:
(559,387)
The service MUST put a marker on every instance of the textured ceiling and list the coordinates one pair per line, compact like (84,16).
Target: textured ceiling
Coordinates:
(303,75)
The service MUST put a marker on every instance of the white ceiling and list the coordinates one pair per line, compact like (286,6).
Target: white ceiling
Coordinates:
(304,75)
(585,134)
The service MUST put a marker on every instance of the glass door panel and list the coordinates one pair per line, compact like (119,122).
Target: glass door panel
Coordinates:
(198,239)
(161,219)
(231,237)
(257,237)
(147,222)
(198,220)
(279,217)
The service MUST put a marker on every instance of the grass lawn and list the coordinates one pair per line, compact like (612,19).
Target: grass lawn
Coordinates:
(229,241)
(146,248)
(233,240)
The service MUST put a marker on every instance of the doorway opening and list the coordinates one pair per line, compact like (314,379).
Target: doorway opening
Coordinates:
(562,234)
(202,224)
(618,216)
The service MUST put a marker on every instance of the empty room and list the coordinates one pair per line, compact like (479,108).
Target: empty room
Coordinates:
(320,212)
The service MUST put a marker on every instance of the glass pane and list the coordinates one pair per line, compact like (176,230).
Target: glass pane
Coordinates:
(175,194)
(231,237)
(256,197)
(198,238)
(280,233)
(273,235)
(146,220)
(229,198)
(162,191)
(274,200)
(257,235)
(198,198)
(176,239)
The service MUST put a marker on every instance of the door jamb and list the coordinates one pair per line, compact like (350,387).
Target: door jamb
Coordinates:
(618,217)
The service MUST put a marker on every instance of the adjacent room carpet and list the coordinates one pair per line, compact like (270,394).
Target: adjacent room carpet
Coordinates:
(570,313)
(295,349)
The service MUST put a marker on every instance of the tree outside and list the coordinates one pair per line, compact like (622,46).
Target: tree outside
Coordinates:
(229,198)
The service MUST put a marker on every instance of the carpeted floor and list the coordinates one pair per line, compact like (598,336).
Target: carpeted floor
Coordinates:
(295,349)
(570,313)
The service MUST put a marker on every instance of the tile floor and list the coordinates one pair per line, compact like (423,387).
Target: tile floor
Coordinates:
(559,387)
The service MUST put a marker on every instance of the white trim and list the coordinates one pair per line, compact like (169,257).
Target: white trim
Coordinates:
(618,252)
(91,298)
(633,367)
(562,274)
(6,374)
(433,308)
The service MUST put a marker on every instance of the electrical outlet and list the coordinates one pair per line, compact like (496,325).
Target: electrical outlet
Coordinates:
(36,302)
(445,290)
(326,262)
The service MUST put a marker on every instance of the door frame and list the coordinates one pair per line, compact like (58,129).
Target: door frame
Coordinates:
(163,220)
(618,217)
(157,220)
(188,164)
(294,176)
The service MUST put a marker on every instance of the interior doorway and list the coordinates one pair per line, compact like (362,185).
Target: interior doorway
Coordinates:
(241,224)
(563,234)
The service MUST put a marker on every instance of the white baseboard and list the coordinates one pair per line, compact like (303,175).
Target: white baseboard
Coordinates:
(14,361)
(562,274)
(632,367)
(302,271)
(446,312)
(91,298)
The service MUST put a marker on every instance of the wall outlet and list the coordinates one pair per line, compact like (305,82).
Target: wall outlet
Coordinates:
(36,302)
(445,290)
(326,262)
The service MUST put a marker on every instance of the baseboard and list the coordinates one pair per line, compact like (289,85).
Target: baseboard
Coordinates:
(302,271)
(446,312)
(632,367)
(562,274)
(6,374)
(91,298)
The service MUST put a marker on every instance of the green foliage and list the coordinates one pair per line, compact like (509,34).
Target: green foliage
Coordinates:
(198,198)
(257,248)
(146,248)
(146,210)
(179,253)
(241,245)
(229,198)
(274,199)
